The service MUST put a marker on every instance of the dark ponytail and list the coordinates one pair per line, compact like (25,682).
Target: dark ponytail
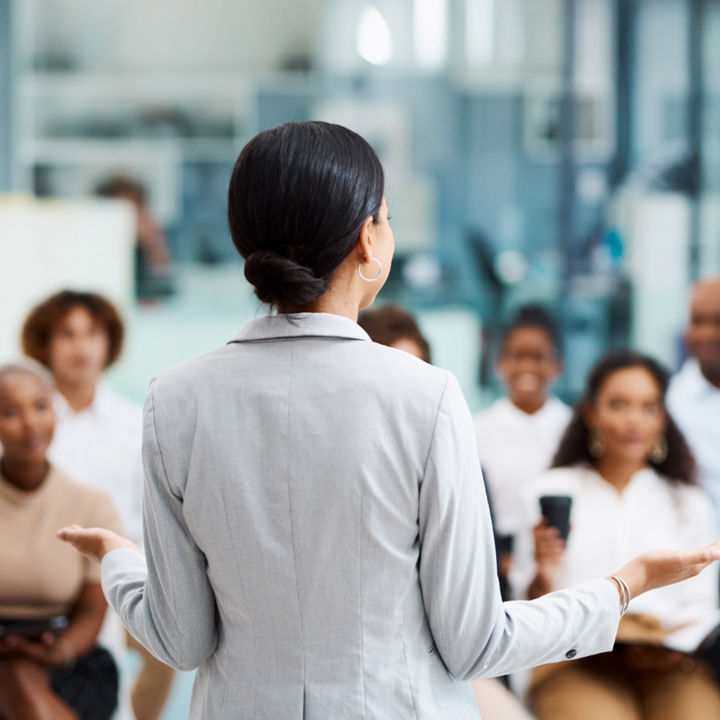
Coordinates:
(298,197)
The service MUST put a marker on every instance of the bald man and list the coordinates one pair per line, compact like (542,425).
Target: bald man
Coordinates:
(694,396)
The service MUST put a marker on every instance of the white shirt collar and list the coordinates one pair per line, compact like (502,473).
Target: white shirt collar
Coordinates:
(506,408)
(642,478)
(693,381)
(101,406)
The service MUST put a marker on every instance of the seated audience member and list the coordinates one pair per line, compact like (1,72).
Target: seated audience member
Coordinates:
(153,263)
(630,476)
(47,671)
(395,327)
(518,435)
(694,395)
(98,440)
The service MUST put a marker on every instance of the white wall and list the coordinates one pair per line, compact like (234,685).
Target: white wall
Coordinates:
(176,35)
(656,227)
(46,246)
(660,70)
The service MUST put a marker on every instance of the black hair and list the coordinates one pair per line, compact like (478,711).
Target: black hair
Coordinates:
(390,323)
(536,317)
(678,465)
(44,318)
(122,186)
(298,196)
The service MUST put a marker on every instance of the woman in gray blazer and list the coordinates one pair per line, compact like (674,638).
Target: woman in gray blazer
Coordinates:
(317,536)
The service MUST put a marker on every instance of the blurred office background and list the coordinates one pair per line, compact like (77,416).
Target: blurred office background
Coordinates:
(564,151)
(560,151)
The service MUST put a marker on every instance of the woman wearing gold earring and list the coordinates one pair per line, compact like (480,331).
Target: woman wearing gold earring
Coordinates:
(630,475)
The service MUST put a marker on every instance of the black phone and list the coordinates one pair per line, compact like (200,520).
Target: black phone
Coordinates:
(33,628)
(556,511)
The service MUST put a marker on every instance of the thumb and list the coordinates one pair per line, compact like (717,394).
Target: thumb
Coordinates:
(70,534)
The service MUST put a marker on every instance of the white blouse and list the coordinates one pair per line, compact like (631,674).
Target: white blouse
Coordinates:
(609,529)
(101,446)
(695,406)
(514,448)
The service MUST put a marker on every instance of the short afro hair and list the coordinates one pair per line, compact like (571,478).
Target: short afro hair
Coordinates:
(45,317)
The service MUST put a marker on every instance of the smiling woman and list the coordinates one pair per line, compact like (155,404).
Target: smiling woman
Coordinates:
(46,672)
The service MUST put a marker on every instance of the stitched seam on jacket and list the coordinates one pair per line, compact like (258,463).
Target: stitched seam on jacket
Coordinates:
(435,424)
(362,622)
(167,482)
(157,440)
(253,638)
(292,524)
(407,668)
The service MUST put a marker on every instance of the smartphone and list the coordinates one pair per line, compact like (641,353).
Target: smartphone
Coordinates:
(556,511)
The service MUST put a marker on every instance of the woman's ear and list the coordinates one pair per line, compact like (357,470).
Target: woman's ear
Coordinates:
(364,244)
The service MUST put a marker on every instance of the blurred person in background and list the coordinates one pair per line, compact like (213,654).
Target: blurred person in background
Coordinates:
(78,336)
(694,395)
(153,263)
(519,433)
(630,475)
(396,327)
(46,671)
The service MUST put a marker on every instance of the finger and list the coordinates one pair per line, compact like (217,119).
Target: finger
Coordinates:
(709,553)
(70,533)
(697,560)
(30,649)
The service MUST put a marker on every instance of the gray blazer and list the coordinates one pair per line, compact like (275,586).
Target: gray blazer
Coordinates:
(318,539)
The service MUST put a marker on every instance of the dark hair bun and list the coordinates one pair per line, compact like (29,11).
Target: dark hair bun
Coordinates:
(279,280)
(298,196)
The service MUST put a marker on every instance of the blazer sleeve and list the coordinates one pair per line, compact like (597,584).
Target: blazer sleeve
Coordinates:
(475,633)
(165,599)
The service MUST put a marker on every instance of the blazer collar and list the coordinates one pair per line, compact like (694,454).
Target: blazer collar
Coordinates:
(273,327)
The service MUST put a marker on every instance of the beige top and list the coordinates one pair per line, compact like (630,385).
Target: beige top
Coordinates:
(40,576)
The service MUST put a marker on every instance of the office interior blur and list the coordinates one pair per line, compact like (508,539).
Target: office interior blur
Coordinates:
(556,152)
(546,150)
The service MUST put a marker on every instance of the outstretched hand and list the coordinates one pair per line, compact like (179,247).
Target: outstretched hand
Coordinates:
(658,568)
(95,543)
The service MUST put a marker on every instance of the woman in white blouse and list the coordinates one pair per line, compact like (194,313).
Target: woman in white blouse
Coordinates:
(317,534)
(630,475)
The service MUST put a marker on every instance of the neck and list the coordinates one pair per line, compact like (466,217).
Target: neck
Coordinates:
(333,303)
(24,474)
(529,407)
(617,471)
(712,377)
(78,397)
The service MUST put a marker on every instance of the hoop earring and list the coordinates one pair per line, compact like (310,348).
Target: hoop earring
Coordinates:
(377,277)
(659,451)
(596,444)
